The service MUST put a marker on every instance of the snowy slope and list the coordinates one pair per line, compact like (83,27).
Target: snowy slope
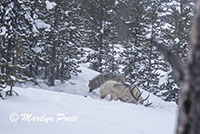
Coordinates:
(76,85)
(39,111)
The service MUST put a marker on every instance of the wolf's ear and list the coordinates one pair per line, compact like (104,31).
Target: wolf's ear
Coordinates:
(89,84)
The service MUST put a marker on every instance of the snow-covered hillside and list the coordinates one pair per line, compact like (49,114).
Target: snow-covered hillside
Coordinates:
(74,110)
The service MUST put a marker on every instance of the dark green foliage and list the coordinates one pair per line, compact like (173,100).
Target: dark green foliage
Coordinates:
(60,42)
(38,41)
(15,29)
(101,34)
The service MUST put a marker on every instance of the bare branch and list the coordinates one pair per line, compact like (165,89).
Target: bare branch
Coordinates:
(177,65)
(8,93)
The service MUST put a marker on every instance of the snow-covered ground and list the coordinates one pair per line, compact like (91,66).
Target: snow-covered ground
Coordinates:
(74,110)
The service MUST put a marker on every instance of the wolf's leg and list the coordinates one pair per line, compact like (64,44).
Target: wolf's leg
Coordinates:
(111,98)
(102,94)
(115,97)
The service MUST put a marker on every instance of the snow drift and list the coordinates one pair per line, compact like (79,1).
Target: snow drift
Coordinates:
(38,111)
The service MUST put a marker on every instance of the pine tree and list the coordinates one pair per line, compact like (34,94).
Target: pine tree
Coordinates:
(134,44)
(102,34)
(59,39)
(176,34)
(14,29)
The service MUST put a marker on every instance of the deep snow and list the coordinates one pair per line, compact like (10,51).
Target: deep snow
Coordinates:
(91,114)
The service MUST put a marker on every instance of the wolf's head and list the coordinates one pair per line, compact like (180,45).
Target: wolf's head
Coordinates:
(92,85)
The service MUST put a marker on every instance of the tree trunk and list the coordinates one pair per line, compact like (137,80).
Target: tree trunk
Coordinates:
(52,66)
(189,112)
(189,78)
(99,68)
(62,71)
(54,51)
